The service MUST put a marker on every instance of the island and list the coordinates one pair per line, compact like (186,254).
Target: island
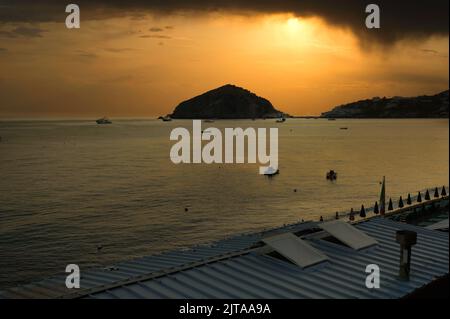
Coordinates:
(435,106)
(226,102)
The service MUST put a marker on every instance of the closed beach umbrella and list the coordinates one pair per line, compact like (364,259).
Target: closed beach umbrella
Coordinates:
(376,210)
(400,203)
(419,198)
(444,192)
(391,206)
(362,213)
(427,195)
(409,200)
(436,193)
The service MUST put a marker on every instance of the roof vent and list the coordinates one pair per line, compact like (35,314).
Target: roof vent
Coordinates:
(295,250)
(348,234)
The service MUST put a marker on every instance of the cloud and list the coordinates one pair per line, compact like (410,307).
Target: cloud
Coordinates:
(434,53)
(118,50)
(400,19)
(86,54)
(23,31)
(154,29)
(430,51)
(156,36)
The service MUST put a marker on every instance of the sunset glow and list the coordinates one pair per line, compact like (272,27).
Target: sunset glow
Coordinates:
(129,66)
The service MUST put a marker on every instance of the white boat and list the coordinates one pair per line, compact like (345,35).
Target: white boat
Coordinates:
(281,120)
(270,171)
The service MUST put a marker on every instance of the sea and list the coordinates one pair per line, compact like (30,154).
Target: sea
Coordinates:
(70,187)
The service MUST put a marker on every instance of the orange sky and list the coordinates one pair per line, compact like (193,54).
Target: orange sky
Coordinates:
(132,67)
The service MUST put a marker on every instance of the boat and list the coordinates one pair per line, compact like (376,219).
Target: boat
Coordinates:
(270,171)
(208,121)
(281,120)
(332,175)
(165,118)
(344,128)
(331,119)
(103,120)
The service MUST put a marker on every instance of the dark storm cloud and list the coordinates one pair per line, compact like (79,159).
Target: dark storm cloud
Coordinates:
(399,18)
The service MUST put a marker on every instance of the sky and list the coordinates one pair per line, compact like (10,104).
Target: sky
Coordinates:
(143,58)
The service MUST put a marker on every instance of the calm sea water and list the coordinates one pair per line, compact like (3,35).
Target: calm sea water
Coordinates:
(68,186)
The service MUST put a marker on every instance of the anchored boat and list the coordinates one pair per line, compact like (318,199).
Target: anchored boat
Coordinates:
(332,175)
(104,120)
(271,171)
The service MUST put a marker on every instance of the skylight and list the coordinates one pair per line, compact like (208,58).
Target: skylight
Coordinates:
(295,250)
(348,234)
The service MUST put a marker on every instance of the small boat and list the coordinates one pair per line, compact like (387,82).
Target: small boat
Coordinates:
(331,119)
(165,118)
(104,120)
(208,121)
(344,128)
(332,175)
(271,171)
(281,120)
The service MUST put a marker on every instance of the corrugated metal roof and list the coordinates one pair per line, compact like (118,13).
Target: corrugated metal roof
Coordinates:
(142,270)
(253,275)
(237,268)
(132,270)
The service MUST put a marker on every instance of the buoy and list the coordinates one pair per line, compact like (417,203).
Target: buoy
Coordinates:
(391,206)
(337,215)
(436,193)
(352,215)
(409,200)
(376,210)
(362,213)
(295,190)
(400,203)
(427,195)
(186,209)
(444,192)
(419,198)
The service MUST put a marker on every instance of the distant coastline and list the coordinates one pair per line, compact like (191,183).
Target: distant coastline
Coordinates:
(230,102)
(435,106)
